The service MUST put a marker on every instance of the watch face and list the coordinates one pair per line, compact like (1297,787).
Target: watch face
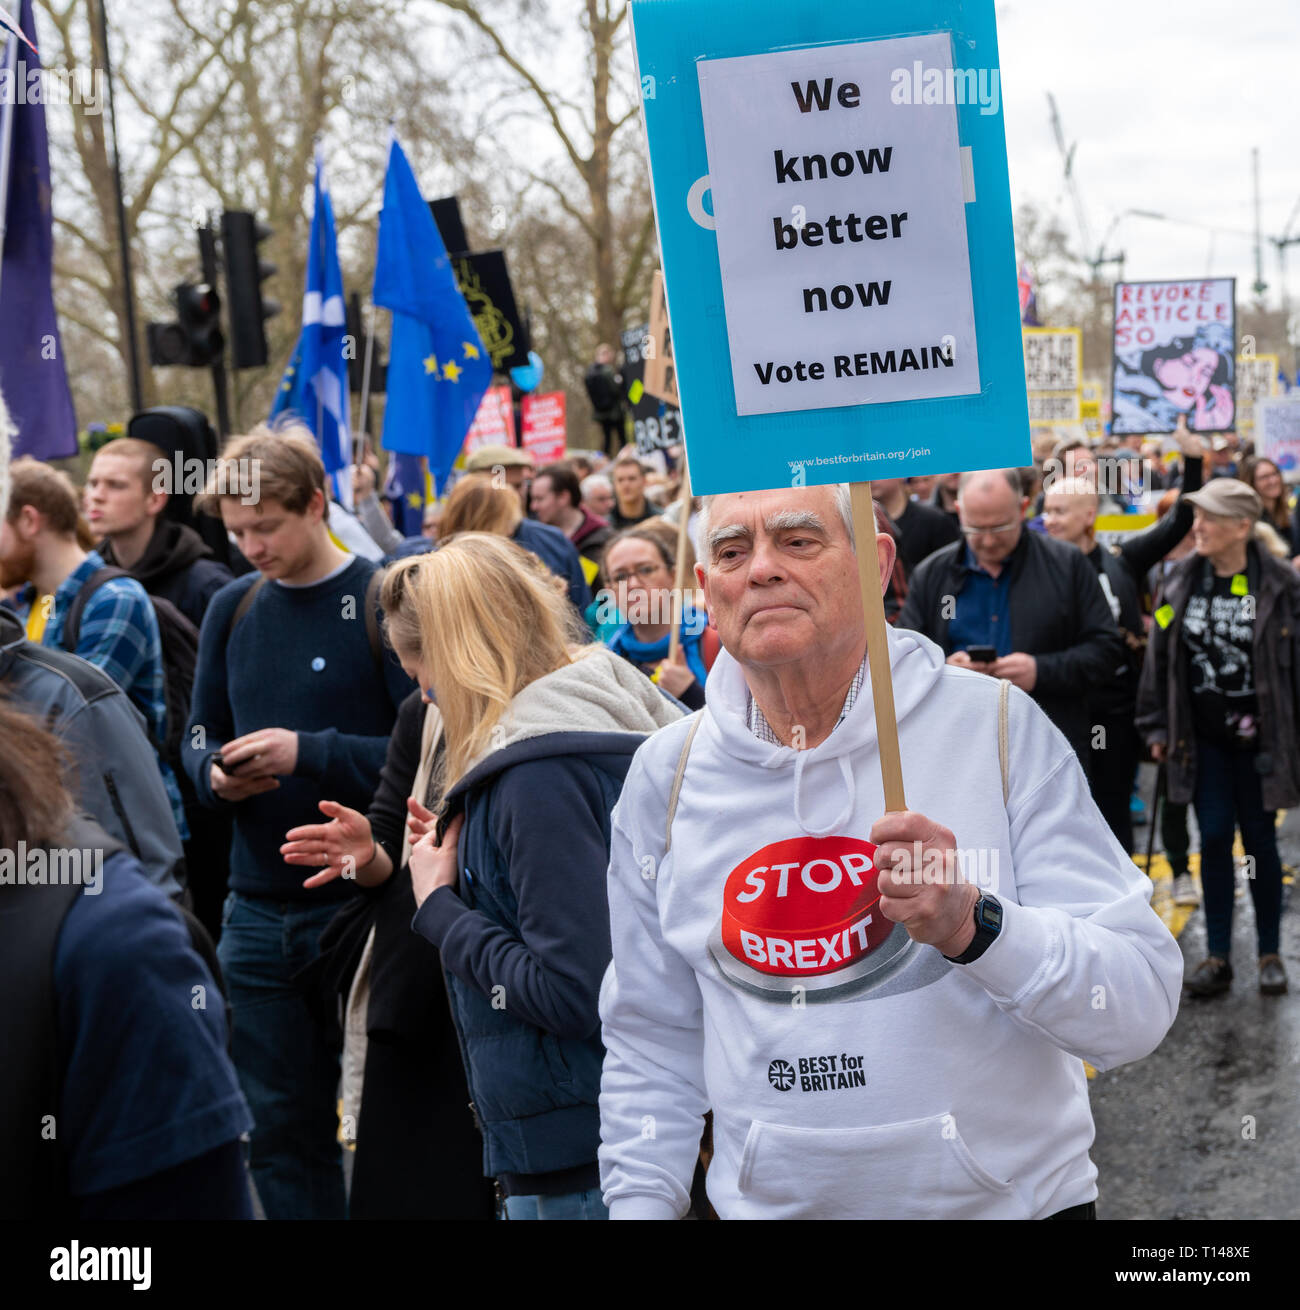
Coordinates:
(990,914)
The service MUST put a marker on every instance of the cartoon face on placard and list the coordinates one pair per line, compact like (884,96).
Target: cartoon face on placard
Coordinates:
(802,917)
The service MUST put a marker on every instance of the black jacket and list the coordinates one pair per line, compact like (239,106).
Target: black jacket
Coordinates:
(1115,697)
(177,565)
(415,1121)
(1059,615)
(1142,551)
(1164,712)
(922,530)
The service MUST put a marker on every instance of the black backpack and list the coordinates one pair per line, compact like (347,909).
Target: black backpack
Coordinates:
(180,652)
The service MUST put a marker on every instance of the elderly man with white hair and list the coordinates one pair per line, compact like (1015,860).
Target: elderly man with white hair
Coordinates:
(598,494)
(1015,604)
(886,1013)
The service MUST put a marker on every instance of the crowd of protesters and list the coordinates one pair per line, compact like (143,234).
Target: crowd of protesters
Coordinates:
(375,815)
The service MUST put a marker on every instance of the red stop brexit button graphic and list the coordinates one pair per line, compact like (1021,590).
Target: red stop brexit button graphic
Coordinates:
(804,906)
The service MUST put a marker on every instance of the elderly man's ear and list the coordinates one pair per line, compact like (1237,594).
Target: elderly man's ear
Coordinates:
(886,553)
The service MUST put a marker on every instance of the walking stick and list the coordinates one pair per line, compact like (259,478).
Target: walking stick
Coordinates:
(1155,813)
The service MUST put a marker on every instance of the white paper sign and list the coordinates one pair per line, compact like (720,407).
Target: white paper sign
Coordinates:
(1053,359)
(1277,434)
(841,225)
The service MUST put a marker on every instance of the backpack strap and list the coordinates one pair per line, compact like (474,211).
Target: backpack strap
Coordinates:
(246,603)
(371,603)
(1004,736)
(678,778)
(72,624)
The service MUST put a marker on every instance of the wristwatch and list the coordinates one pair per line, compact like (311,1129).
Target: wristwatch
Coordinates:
(988,923)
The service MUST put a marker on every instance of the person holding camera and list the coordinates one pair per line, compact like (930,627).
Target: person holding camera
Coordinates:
(1217,705)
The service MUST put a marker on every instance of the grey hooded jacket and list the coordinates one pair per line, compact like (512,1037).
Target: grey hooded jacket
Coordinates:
(113,774)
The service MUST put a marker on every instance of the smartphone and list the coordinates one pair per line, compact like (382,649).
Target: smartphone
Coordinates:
(982,654)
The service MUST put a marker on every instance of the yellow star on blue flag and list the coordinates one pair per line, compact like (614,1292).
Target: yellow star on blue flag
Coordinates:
(427,413)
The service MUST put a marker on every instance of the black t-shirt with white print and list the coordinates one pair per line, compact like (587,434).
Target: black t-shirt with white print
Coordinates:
(1219,635)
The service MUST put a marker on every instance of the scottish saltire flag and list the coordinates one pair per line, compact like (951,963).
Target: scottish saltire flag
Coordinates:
(438,370)
(404,491)
(32,373)
(315,385)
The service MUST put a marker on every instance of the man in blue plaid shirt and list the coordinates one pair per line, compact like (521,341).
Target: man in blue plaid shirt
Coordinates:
(40,546)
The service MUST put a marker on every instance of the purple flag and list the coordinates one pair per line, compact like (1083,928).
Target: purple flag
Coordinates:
(32,373)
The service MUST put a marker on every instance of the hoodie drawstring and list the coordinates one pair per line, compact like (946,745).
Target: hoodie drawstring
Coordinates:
(846,772)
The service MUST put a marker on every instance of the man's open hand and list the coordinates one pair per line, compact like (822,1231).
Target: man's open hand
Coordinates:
(920,884)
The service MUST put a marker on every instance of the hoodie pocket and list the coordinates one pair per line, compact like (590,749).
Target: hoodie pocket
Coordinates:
(556,1062)
(920,1169)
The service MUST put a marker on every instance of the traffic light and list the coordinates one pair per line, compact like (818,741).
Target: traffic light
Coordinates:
(195,338)
(241,234)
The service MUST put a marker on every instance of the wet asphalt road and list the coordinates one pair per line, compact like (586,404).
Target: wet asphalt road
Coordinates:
(1208,1125)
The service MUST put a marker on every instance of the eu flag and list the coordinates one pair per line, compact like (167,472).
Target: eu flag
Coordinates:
(315,385)
(32,373)
(438,370)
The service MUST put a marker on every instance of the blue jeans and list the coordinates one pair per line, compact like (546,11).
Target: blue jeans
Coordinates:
(288,1069)
(572,1205)
(1228,797)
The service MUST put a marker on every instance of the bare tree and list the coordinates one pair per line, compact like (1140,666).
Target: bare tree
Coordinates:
(218,108)
(597,163)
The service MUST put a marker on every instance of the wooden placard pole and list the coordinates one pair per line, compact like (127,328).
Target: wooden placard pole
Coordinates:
(873,613)
(679,568)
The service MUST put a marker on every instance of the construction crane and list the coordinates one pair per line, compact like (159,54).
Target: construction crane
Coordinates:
(1291,326)
(1096,261)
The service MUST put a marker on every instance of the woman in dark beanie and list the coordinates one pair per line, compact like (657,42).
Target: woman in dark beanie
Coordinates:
(1217,704)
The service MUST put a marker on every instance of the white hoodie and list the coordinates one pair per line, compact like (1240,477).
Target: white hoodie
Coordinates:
(853,1073)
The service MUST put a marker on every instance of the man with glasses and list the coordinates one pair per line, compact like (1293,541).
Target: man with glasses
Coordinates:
(1017,605)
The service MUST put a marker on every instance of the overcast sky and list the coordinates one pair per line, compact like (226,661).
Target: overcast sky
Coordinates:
(1165,100)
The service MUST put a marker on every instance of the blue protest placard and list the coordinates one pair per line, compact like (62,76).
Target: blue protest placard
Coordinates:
(830,185)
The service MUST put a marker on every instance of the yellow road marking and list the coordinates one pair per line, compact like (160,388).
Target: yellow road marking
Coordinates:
(1175,917)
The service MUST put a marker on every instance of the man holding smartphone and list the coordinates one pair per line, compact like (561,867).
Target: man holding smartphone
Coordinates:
(1017,605)
(294,700)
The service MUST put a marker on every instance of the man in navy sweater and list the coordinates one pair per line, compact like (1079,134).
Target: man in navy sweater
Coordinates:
(294,701)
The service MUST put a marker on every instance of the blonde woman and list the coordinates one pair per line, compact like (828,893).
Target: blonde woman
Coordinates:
(538,734)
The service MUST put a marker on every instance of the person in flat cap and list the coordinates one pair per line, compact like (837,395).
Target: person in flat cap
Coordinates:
(1218,707)
(516,467)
